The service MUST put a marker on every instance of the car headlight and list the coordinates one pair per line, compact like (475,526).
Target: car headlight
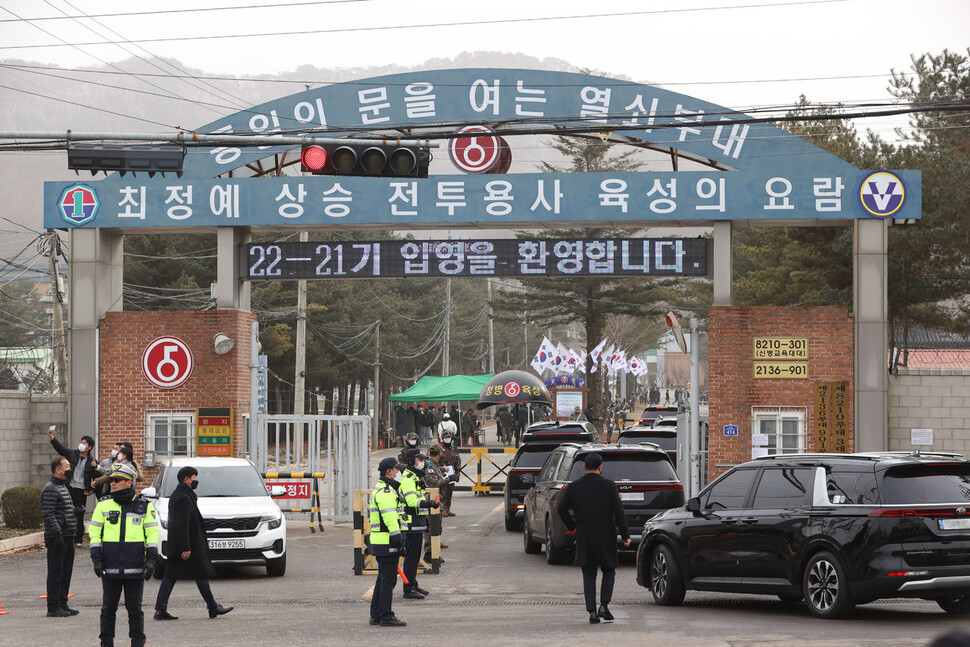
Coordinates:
(273,521)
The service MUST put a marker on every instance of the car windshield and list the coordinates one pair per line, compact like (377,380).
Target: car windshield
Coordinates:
(629,466)
(219,481)
(533,455)
(666,441)
(947,483)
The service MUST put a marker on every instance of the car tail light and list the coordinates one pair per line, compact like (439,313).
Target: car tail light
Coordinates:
(652,487)
(906,573)
(913,512)
(515,506)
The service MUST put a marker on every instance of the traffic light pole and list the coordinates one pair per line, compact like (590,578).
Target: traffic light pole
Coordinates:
(191,139)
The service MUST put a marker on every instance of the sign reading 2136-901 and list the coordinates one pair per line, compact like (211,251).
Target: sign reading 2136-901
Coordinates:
(507,257)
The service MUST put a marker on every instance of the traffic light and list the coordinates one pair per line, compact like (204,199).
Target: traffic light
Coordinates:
(151,159)
(365,159)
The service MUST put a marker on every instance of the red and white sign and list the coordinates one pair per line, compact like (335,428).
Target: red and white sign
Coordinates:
(167,362)
(512,389)
(476,153)
(294,490)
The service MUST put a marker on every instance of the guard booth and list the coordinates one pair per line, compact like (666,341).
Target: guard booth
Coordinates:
(725,169)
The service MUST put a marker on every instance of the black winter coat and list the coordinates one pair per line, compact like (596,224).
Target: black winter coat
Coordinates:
(57,508)
(186,531)
(74,457)
(596,504)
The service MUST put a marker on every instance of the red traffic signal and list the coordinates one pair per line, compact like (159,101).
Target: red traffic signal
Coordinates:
(365,159)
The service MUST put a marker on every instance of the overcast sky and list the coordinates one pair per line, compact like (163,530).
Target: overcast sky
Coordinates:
(734,53)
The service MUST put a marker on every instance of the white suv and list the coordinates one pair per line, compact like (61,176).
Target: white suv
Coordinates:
(242,522)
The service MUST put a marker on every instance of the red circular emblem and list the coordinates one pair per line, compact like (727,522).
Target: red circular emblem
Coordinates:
(512,389)
(477,152)
(167,362)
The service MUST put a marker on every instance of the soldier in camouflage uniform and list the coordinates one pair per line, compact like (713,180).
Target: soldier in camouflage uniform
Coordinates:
(450,458)
(434,476)
(410,442)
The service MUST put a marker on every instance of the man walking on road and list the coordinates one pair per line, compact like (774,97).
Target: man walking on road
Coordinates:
(596,504)
(59,526)
(124,547)
(187,550)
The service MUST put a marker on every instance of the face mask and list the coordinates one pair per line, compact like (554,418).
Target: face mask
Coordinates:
(446,441)
(397,477)
(195,484)
(82,447)
(68,474)
(419,465)
(114,453)
(412,443)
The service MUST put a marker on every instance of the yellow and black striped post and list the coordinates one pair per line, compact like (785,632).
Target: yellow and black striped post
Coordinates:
(315,506)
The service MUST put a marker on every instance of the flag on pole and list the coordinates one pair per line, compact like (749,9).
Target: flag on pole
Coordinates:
(545,356)
(601,356)
(561,355)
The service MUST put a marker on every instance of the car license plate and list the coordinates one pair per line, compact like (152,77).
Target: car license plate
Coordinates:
(954,524)
(631,496)
(215,544)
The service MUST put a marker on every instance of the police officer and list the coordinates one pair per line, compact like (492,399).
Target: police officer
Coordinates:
(124,546)
(387,521)
(416,508)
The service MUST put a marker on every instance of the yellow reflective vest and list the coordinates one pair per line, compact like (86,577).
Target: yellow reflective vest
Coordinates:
(124,536)
(387,519)
(412,491)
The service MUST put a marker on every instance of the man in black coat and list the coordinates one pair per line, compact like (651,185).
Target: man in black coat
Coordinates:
(596,504)
(59,520)
(84,468)
(186,549)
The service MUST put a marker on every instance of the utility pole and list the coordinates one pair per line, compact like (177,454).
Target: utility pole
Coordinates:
(57,304)
(446,354)
(299,380)
(491,327)
(377,386)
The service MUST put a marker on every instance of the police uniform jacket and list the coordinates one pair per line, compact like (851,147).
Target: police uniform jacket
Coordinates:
(387,519)
(416,505)
(124,536)
(186,531)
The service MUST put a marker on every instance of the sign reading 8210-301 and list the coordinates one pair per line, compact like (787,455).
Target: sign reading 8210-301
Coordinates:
(167,362)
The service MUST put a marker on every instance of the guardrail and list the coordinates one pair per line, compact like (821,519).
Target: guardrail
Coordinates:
(364,563)
(296,491)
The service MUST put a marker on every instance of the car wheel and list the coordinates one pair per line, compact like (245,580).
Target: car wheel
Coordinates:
(955,603)
(825,587)
(554,554)
(276,567)
(511,523)
(531,546)
(666,583)
(159,571)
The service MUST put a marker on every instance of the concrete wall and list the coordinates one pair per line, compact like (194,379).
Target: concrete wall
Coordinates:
(25,452)
(930,398)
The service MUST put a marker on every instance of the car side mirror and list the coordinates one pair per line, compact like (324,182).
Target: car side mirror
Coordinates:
(277,490)
(529,479)
(150,493)
(694,505)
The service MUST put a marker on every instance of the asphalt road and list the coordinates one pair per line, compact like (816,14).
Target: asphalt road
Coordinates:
(488,593)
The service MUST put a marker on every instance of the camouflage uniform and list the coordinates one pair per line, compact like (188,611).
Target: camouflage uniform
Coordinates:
(411,435)
(450,457)
(434,476)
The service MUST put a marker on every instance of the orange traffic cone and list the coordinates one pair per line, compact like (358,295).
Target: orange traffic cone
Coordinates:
(2,612)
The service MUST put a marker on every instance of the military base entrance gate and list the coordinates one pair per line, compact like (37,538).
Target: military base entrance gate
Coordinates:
(728,168)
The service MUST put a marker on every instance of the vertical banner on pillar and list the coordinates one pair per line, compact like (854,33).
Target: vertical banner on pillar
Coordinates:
(831,417)
(213,431)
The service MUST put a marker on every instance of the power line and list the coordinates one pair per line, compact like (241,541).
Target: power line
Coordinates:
(492,21)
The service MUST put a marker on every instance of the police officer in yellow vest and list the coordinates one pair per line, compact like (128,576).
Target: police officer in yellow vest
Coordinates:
(416,507)
(387,523)
(124,546)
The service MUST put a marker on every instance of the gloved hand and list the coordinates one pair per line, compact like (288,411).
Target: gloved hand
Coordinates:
(435,504)
(149,569)
(98,568)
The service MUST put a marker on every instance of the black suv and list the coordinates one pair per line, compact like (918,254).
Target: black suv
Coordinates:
(647,482)
(663,437)
(538,441)
(833,529)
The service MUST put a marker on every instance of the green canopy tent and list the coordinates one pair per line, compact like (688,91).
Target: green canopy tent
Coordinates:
(433,388)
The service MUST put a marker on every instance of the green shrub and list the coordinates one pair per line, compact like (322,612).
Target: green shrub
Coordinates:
(21,507)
